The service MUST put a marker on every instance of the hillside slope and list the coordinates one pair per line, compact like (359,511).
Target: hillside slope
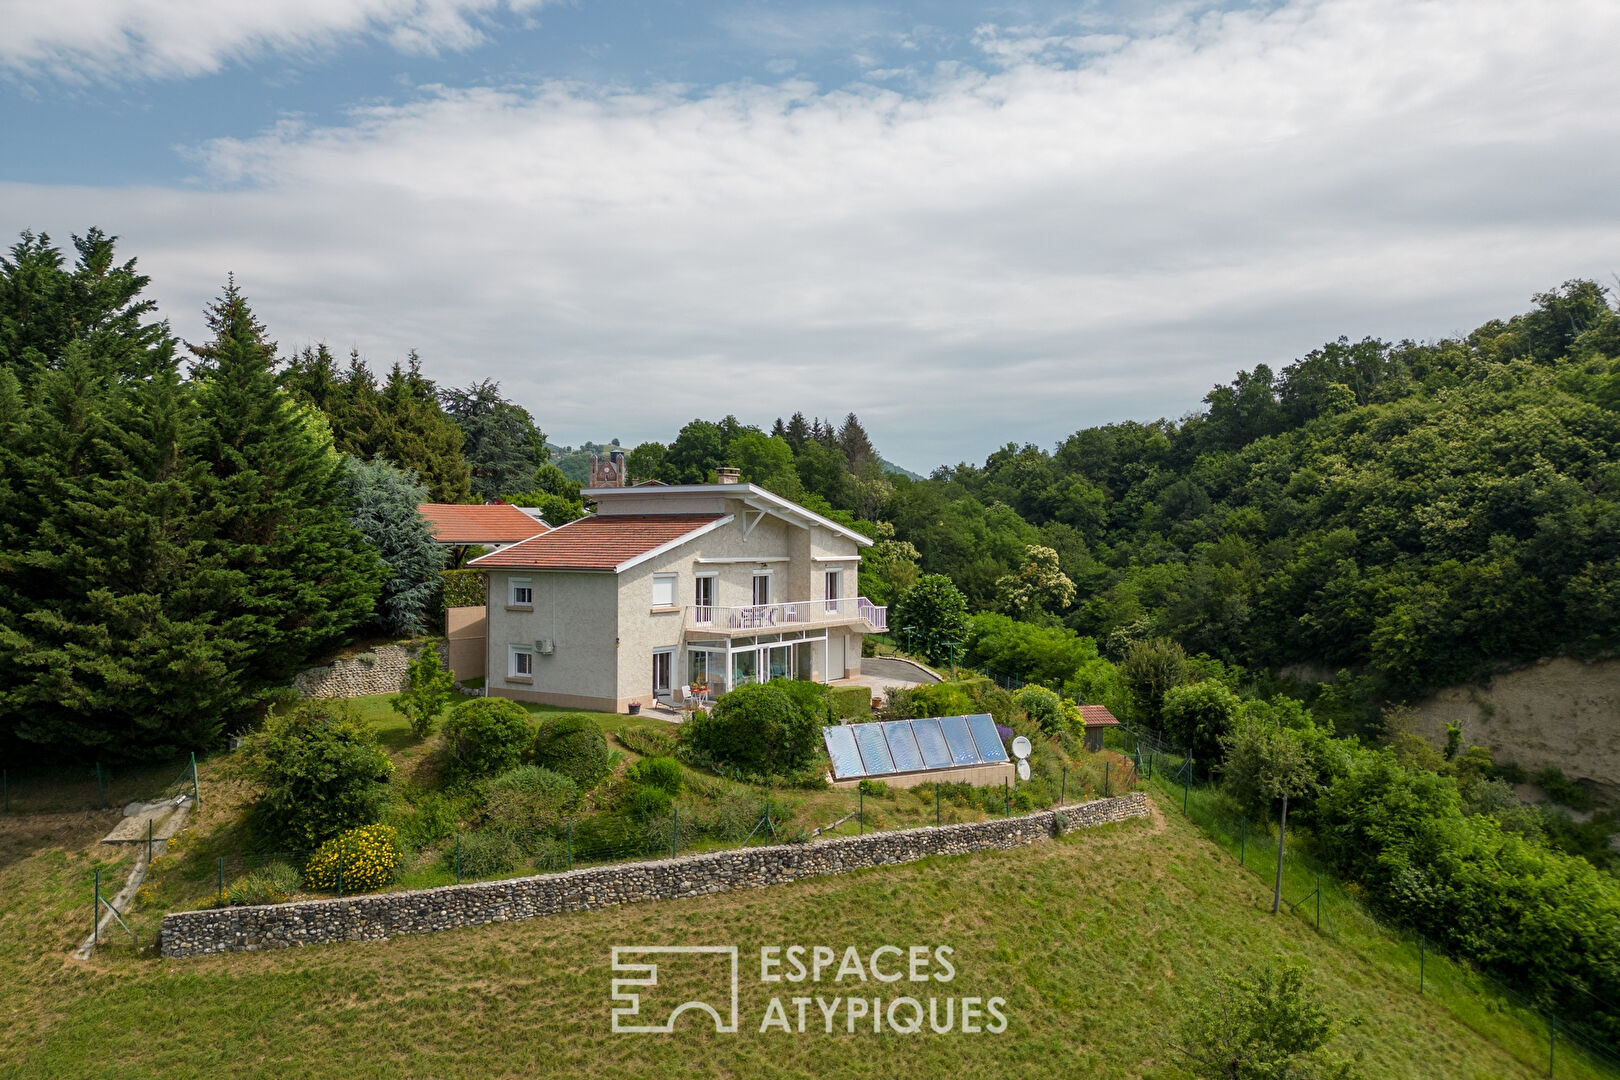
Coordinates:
(1097,941)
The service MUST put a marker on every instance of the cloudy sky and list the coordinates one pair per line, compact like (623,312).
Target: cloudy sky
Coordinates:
(969,223)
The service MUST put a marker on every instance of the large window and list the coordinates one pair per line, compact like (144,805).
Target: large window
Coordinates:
(663,670)
(762,587)
(520,663)
(835,588)
(664,589)
(520,593)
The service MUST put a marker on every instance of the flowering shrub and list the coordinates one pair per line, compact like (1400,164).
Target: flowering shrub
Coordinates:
(368,857)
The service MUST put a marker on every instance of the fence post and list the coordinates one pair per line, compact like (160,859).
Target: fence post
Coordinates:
(1006,798)
(220,884)
(1552,1043)
(1186,783)
(1107,765)
(1423,948)
(570,843)
(1319,901)
(95,913)
(674,830)
(196,791)
(936,804)
(101,785)
(458,858)
(340,877)
(148,845)
(1063,789)
(1243,841)
(860,809)
(769,829)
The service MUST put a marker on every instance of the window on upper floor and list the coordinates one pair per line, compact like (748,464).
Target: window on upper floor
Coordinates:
(664,589)
(520,593)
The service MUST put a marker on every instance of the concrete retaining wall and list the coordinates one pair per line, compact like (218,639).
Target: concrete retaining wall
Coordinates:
(381,916)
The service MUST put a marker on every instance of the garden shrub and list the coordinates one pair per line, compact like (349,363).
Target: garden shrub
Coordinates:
(320,772)
(643,802)
(663,773)
(359,860)
(809,697)
(530,797)
(485,736)
(1196,716)
(756,729)
(1043,707)
(574,746)
(485,853)
(648,741)
(432,818)
(428,690)
(875,788)
(941,699)
(850,702)
(271,884)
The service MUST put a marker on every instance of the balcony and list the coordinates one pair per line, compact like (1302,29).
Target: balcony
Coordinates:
(793,615)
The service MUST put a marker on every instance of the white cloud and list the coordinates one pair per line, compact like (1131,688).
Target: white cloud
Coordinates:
(1005,255)
(100,40)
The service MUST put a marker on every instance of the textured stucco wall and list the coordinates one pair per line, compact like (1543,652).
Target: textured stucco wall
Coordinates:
(377,917)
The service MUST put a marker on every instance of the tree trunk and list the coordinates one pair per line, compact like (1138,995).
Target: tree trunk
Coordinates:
(1282,833)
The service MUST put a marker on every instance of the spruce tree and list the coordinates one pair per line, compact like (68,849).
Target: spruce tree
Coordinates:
(107,637)
(857,447)
(300,577)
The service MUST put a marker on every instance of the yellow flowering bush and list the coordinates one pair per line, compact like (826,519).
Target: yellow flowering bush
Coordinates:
(369,857)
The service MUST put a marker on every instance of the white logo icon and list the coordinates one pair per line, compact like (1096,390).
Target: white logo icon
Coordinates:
(646,975)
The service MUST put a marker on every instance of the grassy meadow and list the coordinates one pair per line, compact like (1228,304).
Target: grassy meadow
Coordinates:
(1098,941)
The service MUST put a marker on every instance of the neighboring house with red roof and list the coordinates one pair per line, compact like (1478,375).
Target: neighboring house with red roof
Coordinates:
(492,525)
(671,586)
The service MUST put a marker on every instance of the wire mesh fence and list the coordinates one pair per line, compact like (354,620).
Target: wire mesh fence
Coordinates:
(93,785)
(1305,889)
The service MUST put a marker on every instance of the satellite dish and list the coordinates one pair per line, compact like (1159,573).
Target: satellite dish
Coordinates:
(1023,769)
(1021,748)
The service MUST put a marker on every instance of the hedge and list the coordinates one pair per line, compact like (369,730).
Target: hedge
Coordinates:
(465,588)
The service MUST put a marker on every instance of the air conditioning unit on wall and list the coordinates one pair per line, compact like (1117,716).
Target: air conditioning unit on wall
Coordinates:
(544,646)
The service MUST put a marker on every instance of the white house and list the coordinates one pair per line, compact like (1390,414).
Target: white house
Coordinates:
(667,586)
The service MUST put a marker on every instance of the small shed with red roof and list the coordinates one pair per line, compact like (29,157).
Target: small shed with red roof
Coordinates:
(1097,719)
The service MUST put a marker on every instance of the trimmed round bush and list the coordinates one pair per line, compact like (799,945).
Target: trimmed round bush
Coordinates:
(575,747)
(757,729)
(486,736)
(663,773)
(367,858)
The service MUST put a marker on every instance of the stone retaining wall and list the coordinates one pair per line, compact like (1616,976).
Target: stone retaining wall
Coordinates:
(381,671)
(380,916)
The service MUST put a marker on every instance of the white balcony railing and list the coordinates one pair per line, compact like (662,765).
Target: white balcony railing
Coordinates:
(795,613)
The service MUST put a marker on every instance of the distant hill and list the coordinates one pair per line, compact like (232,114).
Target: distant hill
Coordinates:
(898,470)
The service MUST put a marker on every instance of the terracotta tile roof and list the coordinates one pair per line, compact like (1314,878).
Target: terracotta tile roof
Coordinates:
(496,523)
(599,542)
(1097,716)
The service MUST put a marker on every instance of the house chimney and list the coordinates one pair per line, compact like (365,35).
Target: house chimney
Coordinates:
(725,474)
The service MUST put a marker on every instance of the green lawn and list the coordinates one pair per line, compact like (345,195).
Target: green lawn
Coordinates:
(1096,941)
